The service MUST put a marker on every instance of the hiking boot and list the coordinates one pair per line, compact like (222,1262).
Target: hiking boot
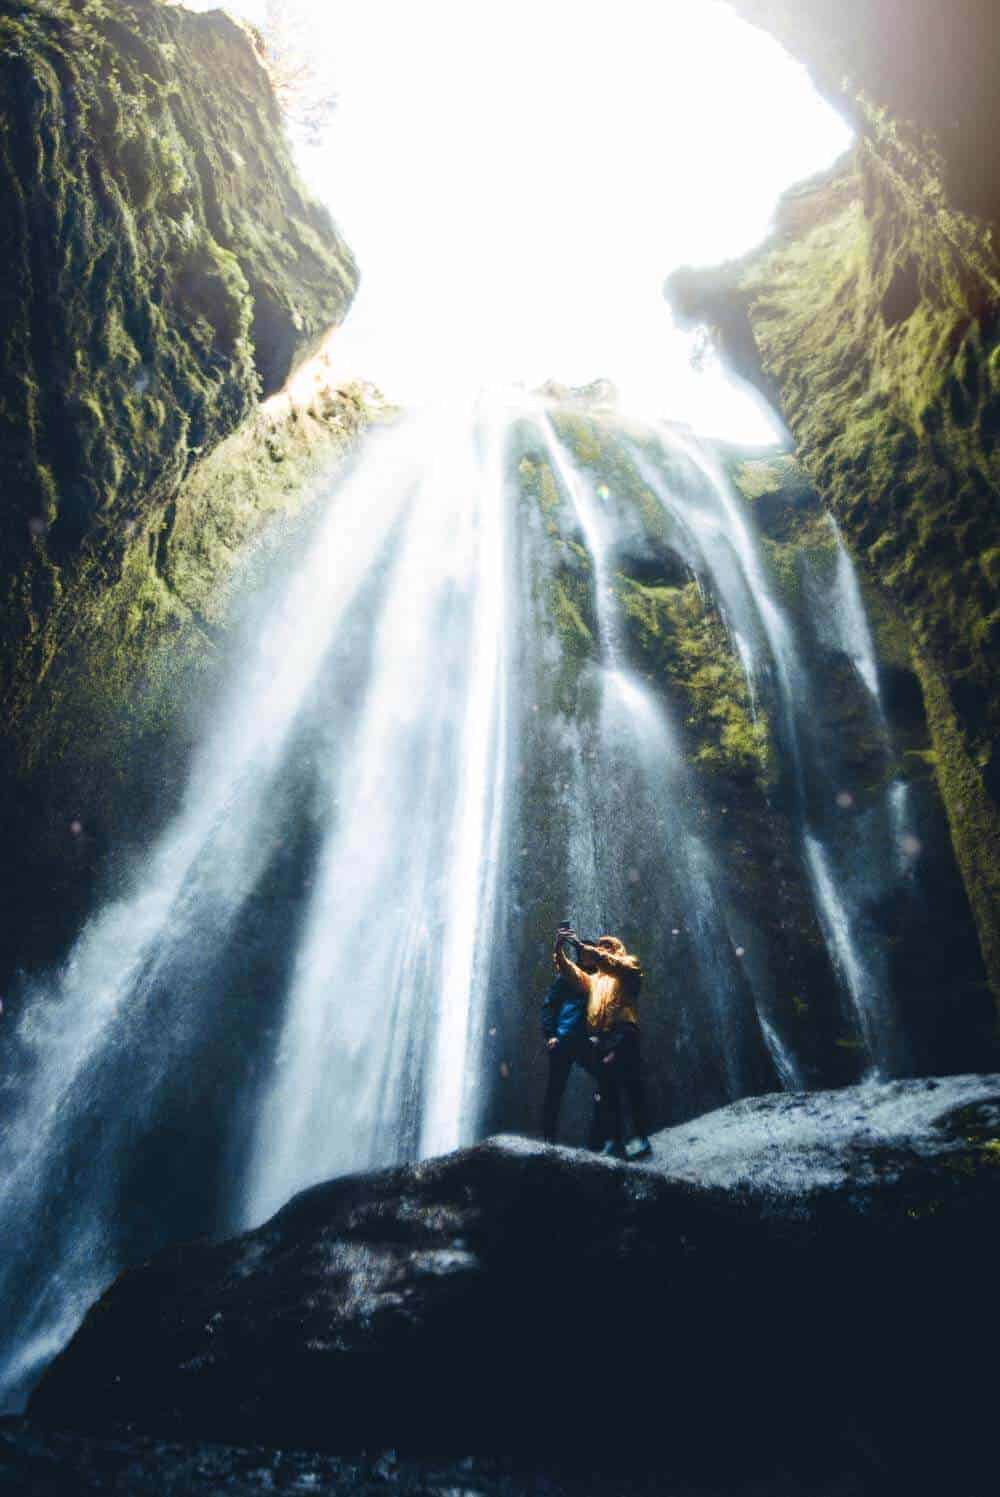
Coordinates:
(644,1150)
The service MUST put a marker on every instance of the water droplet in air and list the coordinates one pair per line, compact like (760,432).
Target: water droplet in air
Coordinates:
(845,800)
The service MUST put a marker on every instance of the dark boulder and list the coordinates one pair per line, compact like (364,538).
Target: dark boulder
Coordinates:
(58,1463)
(796,1283)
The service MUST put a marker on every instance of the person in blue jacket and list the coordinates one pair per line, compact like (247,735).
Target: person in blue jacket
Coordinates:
(564,1028)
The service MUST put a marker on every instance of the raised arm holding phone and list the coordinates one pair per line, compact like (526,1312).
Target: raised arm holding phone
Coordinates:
(609,980)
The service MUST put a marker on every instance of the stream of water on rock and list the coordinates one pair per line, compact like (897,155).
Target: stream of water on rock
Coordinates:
(378,701)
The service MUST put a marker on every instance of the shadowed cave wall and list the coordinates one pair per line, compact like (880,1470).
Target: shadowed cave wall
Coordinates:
(870,319)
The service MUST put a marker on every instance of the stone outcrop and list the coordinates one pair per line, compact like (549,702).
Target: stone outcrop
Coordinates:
(678,641)
(794,1283)
(95,763)
(61,1463)
(165,268)
(870,319)
(930,68)
(163,265)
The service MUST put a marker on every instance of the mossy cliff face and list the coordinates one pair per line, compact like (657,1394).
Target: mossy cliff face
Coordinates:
(99,757)
(675,639)
(934,962)
(163,267)
(871,319)
(741,783)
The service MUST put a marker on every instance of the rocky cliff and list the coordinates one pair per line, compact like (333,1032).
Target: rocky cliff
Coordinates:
(680,641)
(165,268)
(927,68)
(792,1286)
(870,319)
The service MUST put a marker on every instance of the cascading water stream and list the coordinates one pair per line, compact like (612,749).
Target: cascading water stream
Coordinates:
(763,638)
(387,978)
(124,1009)
(847,613)
(374,744)
(640,747)
(378,1055)
(851,622)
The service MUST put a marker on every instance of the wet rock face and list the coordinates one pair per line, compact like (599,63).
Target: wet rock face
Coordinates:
(870,318)
(678,644)
(96,762)
(52,1463)
(801,1267)
(163,266)
(933,67)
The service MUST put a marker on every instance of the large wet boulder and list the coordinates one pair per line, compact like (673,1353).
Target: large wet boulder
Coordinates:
(795,1283)
(62,1463)
(870,319)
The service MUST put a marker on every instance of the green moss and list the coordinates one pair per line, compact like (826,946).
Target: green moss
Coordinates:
(971,810)
(757,477)
(548,494)
(870,317)
(139,637)
(683,642)
(163,264)
(581,435)
(567,617)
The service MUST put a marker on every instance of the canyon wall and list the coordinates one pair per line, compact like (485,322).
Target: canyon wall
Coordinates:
(164,266)
(164,269)
(870,319)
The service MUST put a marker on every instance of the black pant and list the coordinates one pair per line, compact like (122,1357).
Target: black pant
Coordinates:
(620,1076)
(575,1049)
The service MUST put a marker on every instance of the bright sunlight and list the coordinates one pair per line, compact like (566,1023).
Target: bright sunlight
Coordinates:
(517,181)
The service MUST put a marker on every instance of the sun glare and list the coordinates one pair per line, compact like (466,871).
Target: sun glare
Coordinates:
(517,180)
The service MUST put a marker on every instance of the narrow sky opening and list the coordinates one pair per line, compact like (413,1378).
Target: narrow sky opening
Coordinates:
(517,181)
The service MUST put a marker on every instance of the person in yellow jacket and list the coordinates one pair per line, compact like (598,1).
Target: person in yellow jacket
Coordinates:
(612,991)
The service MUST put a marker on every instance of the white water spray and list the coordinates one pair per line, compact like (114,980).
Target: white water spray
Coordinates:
(851,622)
(379,1051)
(376,699)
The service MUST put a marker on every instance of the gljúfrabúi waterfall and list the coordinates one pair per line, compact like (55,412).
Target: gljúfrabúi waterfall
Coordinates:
(427,741)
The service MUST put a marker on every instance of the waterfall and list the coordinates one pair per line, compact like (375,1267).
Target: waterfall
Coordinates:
(384,1013)
(433,774)
(847,869)
(835,918)
(851,623)
(389,981)
(641,796)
